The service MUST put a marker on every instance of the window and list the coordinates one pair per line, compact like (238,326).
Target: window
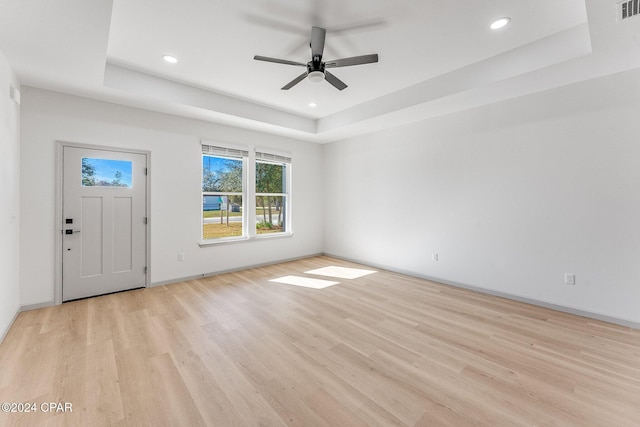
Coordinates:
(242,187)
(223,183)
(271,193)
(106,173)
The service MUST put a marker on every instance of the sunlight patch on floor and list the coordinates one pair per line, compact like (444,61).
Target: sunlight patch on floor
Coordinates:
(341,272)
(304,282)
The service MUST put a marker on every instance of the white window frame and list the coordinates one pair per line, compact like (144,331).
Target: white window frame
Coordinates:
(248,155)
(273,157)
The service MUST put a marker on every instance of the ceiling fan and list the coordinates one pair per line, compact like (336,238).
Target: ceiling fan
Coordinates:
(316,68)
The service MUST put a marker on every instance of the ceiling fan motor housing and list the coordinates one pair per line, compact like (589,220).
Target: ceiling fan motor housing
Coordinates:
(315,65)
(315,70)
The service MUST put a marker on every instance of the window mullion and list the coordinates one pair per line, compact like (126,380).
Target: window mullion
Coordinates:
(250,190)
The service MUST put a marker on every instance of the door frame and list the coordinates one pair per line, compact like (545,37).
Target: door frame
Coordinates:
(60,145)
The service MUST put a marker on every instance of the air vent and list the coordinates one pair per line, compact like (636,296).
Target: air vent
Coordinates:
(628,9)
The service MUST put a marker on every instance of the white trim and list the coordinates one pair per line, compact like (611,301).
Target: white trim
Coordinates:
(564,309)
(245,207)
(37,306)
(249,202)
(231,270)
(286,195)
(5,330)
(272,194)
(229,240)
(59,169)
(267,236)
(250,190)
(289,198)
(221,193)
(57,267)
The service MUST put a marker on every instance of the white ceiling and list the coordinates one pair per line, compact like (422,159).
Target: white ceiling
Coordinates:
(436,56)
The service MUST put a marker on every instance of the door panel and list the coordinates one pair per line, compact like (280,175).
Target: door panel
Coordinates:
(122,234)
(104,222)
(91,241)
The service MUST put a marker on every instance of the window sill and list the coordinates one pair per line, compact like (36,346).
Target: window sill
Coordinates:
(229,241)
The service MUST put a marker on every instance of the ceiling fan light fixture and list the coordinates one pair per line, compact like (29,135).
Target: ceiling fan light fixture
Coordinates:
(316,68)
(316,76)
(500,23)
(170,59)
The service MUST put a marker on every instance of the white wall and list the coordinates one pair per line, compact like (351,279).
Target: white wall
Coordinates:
(9,197)
(174,143)
(511,196)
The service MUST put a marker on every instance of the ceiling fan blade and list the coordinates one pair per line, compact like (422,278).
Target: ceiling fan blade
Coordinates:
(354,60)
(317,41)
(336,82)
(276,24)
(278,61)
(295,81)
(356,26)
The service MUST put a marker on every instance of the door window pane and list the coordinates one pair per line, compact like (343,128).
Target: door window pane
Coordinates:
(106,173)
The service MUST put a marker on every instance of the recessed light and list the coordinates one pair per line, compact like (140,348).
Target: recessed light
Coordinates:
(170,59)
(313,104)
(499,23)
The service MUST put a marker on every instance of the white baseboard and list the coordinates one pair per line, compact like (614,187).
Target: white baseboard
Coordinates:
(561,308)
(231,270)
(37,306)
(552,306)
(5,329)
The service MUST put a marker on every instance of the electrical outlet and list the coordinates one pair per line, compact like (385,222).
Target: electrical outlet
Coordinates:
(434,257)
(180,256)
(569,279)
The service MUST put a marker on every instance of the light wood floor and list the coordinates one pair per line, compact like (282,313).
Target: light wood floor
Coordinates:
(380,350)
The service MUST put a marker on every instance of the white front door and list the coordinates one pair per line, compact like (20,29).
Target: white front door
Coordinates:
(103,222)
